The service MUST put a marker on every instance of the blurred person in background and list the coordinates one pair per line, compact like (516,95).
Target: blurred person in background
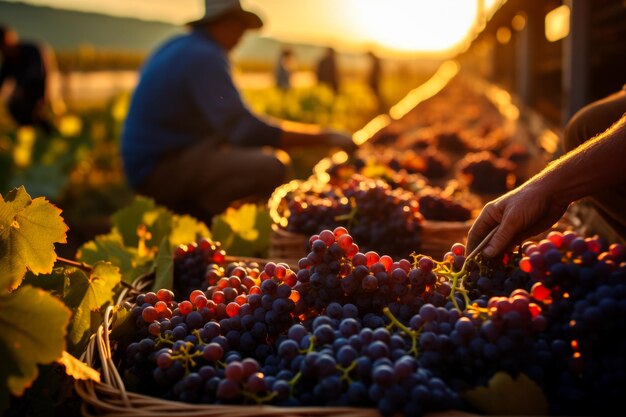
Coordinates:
(594,167)
(326,71)
(373,78)
(284,68)
(189,141)
(27,65)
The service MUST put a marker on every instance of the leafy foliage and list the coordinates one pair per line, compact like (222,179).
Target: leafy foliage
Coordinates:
(142,239)
(29,336)
(506,396)
(88,293)
(164,267)
(77,369)
(28,231)
(111,248)
(244,231)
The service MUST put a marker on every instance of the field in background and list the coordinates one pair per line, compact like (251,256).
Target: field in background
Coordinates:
(79,169)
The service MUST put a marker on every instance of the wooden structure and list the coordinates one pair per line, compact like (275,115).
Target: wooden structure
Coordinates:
(554,77)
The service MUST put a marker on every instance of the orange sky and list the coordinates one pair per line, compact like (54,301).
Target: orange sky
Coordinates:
(400,25)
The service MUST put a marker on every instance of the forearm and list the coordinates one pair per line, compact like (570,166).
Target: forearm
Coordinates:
(598,164)
(299,135)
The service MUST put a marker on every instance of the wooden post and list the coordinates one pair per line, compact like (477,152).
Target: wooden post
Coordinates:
(529,39)
(576,59)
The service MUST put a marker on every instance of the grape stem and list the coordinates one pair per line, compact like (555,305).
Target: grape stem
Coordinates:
(80,265)
(87,268)
(411,333)
(459,276)
(345,372)
(260,400)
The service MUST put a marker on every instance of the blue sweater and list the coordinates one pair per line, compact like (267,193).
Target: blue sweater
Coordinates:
(185,95)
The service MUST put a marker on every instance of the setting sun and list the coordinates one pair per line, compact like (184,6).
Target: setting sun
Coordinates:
(409,25)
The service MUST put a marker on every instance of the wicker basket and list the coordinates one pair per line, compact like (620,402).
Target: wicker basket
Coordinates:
(437,239)
(287,246)
(438,236)
(110,398)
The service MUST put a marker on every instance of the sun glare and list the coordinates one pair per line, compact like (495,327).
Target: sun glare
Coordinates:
(414,25)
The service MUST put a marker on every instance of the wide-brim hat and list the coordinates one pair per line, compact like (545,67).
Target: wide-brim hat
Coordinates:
(214,9)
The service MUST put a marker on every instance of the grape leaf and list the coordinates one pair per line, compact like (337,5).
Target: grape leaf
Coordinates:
(108,247)
(142,211)
(56,283)
(187,229)
(123,326)
(244,231)
(506,396)
(28,231)
(29,336)
(87,295)
(42,180)
(111,248)
(78,369)
(164,266)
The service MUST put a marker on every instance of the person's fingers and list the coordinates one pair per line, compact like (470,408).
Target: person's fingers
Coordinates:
(503,238)
(486,221)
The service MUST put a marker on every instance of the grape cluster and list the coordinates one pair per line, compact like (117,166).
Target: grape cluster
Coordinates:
(376,215)
(583,286)
(435,206)
(191,262)
(487,174)
(362,329)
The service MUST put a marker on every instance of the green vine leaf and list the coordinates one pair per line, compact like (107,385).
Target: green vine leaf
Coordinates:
(78,369)
(28,337)
(244,231)
(142,211)
(122,326)
(506,396)
(111,248)
(86,296)
(164,267)
(28,231)
(187,229)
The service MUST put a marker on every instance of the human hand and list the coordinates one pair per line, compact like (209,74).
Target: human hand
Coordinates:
(520,214)
(336,139)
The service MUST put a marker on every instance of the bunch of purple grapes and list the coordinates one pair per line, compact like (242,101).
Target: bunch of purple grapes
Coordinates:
(191,262)
(340,360)
(487,174)
(180,346)
(360,329)
(441,208)
(582,285)
(379,217)
(336,271)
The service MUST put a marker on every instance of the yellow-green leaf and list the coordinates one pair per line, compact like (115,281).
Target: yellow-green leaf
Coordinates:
(507,396)
(111,248)
(243,231)
(142,212)
(164,267)
(86,296)
(28,231)
(33,326)
(77,369)
(187,229)
(122,326)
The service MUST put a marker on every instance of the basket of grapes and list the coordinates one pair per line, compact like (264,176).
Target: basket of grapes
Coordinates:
(379,216)
(362,334)
(393,217)
(258,338)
